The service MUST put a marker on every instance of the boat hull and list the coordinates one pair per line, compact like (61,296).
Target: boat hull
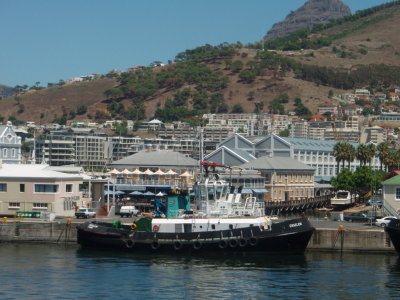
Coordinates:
(290,236)
(393,230)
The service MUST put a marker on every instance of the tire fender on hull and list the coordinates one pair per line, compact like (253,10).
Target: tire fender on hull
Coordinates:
(222,244)
(242,242)
(129,243)
(178,245)
(155,245)
(233,243)
(197,245)
(253,241)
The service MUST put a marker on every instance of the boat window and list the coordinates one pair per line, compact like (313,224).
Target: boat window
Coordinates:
(213,226)
(211,195)
(218,192)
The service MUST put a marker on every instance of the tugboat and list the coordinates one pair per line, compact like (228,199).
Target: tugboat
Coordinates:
(221,221)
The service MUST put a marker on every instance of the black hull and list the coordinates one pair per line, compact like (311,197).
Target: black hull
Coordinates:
(280,238)
(393,229)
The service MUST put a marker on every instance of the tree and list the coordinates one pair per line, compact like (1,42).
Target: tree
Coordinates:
(284,133)
(301,110)
(349,153)
(363,179)
(344,181)
(339,152)
(259,106)
(237,109)
(21,108)
(236,66)
(362,154)
(81,109)
(247,75)
(382,152)
(276,107)
(121,128)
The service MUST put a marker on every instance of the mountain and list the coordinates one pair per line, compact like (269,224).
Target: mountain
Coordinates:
(361,50)
(312,12)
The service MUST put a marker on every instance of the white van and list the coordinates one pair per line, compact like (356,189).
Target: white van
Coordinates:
(128,211)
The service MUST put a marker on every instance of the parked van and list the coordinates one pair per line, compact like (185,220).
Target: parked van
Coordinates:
(128,211)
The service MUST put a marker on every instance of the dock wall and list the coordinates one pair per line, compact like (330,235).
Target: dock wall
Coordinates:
(51,232)
(370,240)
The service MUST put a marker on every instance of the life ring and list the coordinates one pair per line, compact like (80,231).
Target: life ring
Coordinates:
(197,245)
(129,243)
(242,242)
(133,226)
(253,241)
(233,243)
(222,244)
(156,228)
(178,245)
(155,245)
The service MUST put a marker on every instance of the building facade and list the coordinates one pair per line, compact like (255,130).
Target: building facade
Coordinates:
(35,188)
(10,145)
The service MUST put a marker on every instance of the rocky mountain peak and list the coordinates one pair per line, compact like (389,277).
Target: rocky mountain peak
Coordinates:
(312,12)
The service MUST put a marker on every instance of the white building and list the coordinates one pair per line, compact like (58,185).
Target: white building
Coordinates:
(10,145)
(36,188)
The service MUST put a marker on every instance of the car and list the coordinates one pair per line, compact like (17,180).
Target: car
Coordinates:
(128,211)
(358,217)
(384,221)
(85,213)
(374,202)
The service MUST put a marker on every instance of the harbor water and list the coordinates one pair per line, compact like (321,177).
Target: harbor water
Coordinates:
(49,271)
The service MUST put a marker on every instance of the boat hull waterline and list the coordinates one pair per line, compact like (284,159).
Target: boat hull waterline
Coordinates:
(291,236)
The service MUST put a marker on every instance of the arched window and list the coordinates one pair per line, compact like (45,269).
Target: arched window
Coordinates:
(5,153)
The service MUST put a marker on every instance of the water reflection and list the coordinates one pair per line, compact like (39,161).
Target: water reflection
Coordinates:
(53,271)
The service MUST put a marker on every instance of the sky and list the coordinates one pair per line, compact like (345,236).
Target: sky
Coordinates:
(50,40)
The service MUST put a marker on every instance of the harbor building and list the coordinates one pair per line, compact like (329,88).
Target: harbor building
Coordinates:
(285,178)
(37,188)
(10,145)
(154,171)
(317,154)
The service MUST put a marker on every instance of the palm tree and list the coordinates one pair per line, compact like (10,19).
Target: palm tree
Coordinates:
(362,154)
(339,152)
(383,153)
(371,149)
(350,153)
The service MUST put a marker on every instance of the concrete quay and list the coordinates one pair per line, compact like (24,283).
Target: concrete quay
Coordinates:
(329,235)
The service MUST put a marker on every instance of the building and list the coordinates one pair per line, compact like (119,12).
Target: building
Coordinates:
(374,134)
(331,109)
(36,188)
(285,178)
(154,171)
(391,193)
(83,147)
(317,154)
(389,118)
(10,145)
